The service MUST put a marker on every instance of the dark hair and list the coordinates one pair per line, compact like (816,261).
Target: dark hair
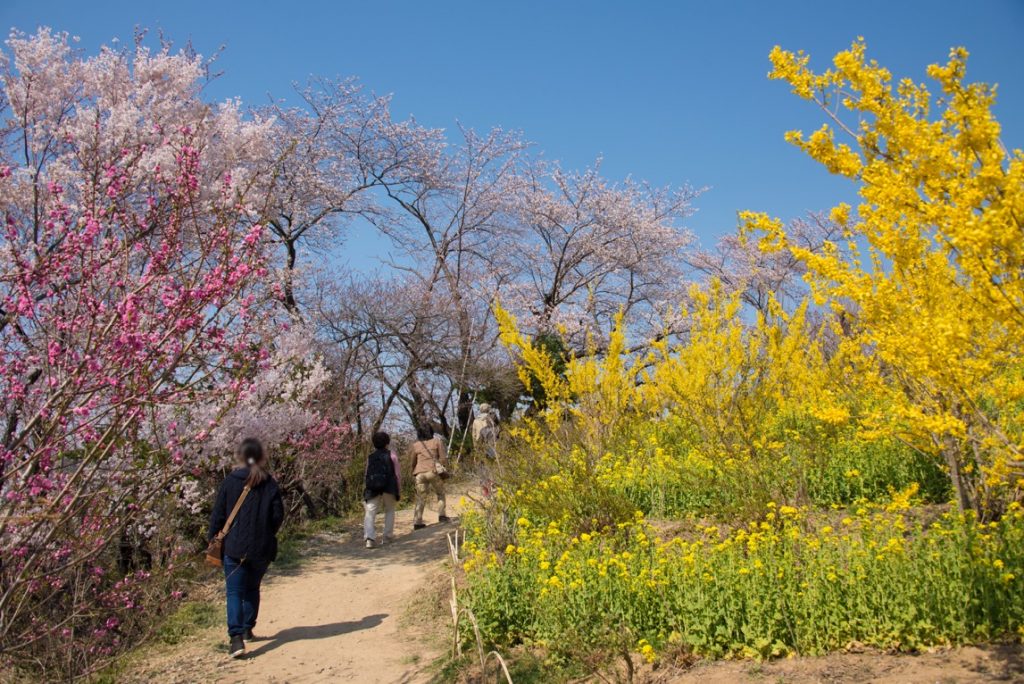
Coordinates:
(424,432)
(250,452)
(380,440)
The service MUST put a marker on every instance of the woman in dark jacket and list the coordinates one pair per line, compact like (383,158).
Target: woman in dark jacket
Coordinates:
(251,543)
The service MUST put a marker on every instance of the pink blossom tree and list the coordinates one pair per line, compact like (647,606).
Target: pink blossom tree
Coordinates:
(292,405)
(131,260)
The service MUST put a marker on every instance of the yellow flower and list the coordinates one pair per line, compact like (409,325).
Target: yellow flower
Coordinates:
(840,214)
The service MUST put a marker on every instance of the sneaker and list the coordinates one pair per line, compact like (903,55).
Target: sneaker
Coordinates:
(443,519)
(249,636)
(237,648)
(389,539)
(418,526)
(369,543)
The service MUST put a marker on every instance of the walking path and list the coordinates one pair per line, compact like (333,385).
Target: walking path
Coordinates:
(347,614)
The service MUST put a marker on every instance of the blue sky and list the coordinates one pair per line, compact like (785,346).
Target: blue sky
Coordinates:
(670,92)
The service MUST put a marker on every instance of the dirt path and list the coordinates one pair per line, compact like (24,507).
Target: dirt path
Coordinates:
(347,614)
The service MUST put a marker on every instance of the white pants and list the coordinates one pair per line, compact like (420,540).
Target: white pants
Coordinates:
(373,506)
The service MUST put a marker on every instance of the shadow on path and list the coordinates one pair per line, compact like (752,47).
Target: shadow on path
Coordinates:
(1007,658)
(414,547)
(419,547)
(315,632)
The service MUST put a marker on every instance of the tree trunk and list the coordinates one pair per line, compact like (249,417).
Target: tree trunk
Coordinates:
(464,412)
(962,483)
(289,278)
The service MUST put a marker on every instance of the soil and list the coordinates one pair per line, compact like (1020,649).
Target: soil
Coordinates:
(997,663)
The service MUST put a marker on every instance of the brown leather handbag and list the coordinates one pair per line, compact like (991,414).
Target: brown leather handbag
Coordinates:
(435,454)
(215,549)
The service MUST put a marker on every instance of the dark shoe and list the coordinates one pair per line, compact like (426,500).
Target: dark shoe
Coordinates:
(237,648)
(444,519)
(249,636)
(419,526)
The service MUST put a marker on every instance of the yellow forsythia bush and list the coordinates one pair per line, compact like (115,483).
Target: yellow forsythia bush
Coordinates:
(932,278)
(720,423)
(780,482)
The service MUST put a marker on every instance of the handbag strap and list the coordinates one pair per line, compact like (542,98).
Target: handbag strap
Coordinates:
(234,511)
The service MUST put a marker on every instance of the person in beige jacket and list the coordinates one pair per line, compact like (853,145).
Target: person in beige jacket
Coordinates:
(426,453)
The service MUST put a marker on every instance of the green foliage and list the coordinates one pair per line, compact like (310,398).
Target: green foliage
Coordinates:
(822,470)
(656,467)
(790,582)
(289,552)
(189,618)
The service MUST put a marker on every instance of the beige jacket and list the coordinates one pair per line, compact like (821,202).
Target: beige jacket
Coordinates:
(424,454)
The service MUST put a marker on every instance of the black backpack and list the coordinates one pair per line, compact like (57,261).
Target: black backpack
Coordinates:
(379,472)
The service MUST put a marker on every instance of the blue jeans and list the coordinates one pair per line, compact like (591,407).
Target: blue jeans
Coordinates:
(242,580)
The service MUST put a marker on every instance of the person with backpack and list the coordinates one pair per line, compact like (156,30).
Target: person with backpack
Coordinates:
(430,468)
(381,489)
(246,517)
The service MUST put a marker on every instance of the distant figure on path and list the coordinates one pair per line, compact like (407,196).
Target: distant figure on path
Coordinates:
(383,475)
(251,542)
(429,462)
(485,431)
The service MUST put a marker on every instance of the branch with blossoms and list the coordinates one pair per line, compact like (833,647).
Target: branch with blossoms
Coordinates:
(140,329)
(130,289)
